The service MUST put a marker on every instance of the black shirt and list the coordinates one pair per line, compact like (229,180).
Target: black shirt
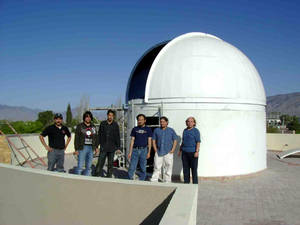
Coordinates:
(109,136)
(88,132)
(56,136)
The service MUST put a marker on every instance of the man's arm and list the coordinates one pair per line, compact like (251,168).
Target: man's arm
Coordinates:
(154,137)
(44,143)
(154,145)
(131,147)
(180,149)
(198,144)
(76,139)
(101,134)
(118,137)
(197,150)
(149,147)
(174,146)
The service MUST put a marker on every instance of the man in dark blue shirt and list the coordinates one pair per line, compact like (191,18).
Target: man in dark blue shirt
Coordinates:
(140,147)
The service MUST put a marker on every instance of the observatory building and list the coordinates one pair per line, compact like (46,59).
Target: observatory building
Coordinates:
(200,75)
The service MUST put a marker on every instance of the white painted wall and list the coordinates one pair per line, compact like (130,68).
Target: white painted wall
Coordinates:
(233,141)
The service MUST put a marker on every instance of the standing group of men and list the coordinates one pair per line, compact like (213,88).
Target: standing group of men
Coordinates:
(163,140)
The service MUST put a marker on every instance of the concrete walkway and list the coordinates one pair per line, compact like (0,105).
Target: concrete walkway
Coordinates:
(269,198)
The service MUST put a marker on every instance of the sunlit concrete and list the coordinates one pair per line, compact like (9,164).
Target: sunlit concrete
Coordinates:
(31,196)
(282,142)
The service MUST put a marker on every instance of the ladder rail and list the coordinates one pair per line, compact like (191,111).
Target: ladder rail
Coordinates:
(25,144)
(14,147)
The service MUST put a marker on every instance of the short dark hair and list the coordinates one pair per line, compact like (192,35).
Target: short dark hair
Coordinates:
(87,113)
(110,111)
(137,117)
(164,118)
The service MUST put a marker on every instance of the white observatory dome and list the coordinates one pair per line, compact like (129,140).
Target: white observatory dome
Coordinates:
(200,75)
(198,67)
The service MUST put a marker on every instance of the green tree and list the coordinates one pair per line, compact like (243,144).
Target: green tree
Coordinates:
(75,122)
(294,124)
(69,116)
(22,127)
(33,127)
(285,119)
(273,130)
(4,128)
(45,117)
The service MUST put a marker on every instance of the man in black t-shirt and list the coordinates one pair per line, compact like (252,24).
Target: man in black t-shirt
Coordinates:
(57,145)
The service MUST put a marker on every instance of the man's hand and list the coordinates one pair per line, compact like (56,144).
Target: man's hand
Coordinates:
(76,152)
(129,155)
(48,149)
(196,154)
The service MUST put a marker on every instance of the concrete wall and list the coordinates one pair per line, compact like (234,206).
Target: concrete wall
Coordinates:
(282,142)
(35,197)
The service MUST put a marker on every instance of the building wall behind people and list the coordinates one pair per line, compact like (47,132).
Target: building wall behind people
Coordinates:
(56,143)
(85,144)
(189,150)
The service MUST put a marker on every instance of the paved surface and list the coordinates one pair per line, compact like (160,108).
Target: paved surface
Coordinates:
(269,198)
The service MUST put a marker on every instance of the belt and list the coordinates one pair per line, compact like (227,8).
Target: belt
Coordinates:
(140,147)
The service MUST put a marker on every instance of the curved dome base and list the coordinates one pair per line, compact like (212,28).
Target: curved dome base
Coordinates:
(222,178)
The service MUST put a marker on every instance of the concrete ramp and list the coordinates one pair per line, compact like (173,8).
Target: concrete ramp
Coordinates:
(287,153)
(35,197)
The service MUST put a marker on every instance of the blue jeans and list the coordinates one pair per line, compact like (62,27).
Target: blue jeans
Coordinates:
(56,157)
(138,156)
(85,155)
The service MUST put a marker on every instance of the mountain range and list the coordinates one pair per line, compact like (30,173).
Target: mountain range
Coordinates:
(21,113)
(284,104)
(14,113)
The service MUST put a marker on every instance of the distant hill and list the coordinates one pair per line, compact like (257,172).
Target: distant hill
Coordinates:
(284,104)
(14,113)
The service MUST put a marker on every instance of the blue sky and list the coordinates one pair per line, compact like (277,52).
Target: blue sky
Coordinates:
(54,52)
